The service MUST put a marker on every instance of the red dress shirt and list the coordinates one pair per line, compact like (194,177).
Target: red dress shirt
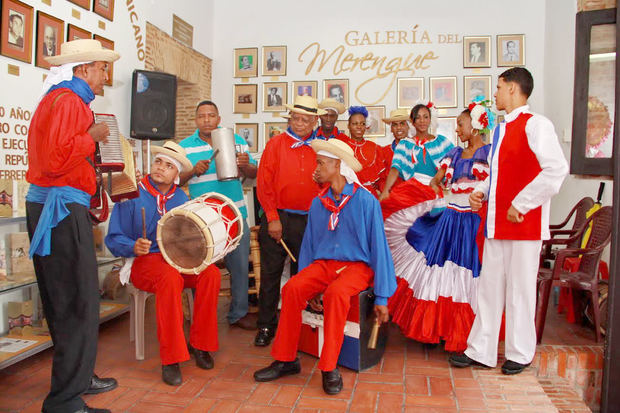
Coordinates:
(370,155)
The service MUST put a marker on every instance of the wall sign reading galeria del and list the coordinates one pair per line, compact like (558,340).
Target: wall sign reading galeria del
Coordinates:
(384,69)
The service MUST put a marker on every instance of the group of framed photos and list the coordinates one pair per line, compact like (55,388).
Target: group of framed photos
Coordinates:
(442,90)
(246,61)
(275,94)
(510,50)
(16,31)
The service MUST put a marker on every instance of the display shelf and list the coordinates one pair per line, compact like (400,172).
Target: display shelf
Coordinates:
(17,282)
(12,220)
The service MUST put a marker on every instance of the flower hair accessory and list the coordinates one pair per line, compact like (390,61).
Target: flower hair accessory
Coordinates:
(482,117)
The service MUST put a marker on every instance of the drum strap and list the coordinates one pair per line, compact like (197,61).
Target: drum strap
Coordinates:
(161,198)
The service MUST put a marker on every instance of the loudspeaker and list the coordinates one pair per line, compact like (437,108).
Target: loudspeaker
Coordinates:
(153,105)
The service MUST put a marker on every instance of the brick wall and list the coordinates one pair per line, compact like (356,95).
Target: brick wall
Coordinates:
(193,71)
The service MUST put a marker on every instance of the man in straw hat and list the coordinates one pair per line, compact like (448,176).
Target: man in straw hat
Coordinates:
(61,148)
(399,125)
(285,190)
(328,129)
(344,250)
(148,270)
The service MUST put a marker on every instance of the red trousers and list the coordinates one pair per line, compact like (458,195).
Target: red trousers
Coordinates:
(153,274)
(337,289)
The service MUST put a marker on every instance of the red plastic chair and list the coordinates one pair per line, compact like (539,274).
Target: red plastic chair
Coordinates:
(586,275)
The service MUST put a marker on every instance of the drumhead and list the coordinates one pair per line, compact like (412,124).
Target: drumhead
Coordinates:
(185,241)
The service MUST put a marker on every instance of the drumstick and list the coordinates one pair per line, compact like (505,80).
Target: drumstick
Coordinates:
(290,254)
(215,152)
(143,224)
(339,270)
(374,334)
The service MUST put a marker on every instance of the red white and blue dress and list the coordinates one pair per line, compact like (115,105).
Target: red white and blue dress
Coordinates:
(437,254)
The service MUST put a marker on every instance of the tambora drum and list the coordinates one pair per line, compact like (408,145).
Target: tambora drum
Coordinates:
(200,232)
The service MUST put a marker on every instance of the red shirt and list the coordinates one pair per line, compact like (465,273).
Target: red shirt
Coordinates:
(388,154)
(370,155)
(335,133)
(59,144)
(284,179)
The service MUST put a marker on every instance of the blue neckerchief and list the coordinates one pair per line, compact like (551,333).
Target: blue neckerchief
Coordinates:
(54,200)
(299,141)
(77,86)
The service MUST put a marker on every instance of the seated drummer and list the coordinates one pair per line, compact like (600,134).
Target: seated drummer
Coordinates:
(149,271)
(343,250)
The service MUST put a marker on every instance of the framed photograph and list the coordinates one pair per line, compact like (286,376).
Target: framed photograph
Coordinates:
(410,90)
(244,98)
(446,126)
(443,91)
(475,87)
(74,33)
(343,125)
(107,44)
(476,51)
(16,36)
(246,62)
(85,4)
(272,129)
(50,32)
(274,96)
(274,60)
(374,122)
(104,8)
(510,50)
(305,88)
(249,132)
(337,89)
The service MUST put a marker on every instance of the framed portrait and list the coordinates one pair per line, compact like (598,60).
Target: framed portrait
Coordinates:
(50,33)
(104,8)
(510,50)
(343,125)
(443,91)
(374,122)
(274,61)
(16,36)
(74,33)
(85,4)
(249,132)
(107,44)
(474,87)
(446,126)
(476,51)
(274,96)
(244,98)
(337,89)
(272,129)
(246,62)
(410,90)
(305,88)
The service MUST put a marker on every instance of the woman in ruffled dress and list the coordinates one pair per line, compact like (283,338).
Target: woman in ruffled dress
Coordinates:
(437,254)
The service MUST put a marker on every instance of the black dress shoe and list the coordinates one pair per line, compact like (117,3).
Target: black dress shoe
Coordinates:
(99,385)
(171,374)
(462,360)
(203,359)
(332,381)
(512,367)
(277,369)
(264,337)
(87,409)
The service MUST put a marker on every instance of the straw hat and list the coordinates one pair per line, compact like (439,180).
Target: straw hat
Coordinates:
(175,151)
(340,149)
(306,105)
(397,115)
(332,104)
(82,50)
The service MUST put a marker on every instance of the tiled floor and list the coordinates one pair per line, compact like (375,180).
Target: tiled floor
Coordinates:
(410,378)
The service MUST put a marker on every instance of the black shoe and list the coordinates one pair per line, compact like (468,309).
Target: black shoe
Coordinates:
(332,381)
(462,360)
(277,369)
(171,374)
(203,359)
(87,409)
(99,385)
(264,337)
(512,367)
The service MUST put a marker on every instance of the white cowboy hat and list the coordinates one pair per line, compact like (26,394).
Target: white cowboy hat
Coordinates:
(339,149)
(397,115)
(175,151)
(82,50)
(332,104)
(306,105)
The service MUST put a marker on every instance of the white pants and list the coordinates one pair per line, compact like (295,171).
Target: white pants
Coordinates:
(507,279)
